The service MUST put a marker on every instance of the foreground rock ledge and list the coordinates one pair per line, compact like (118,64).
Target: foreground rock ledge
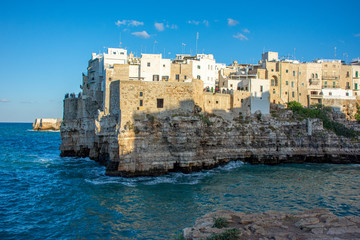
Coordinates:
(310,224)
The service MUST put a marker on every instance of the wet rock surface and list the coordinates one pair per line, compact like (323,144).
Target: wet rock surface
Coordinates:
(310,224)
(153,145)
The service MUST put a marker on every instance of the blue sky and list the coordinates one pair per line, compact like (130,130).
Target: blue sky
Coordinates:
(45,45)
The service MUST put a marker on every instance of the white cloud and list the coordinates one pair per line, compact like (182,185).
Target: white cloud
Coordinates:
(357,35)
(4,100)
(206,22)
(174,26)
(132,23)
(232,22)
(194,22)
(135,23)
(246,30)
(119,23)
(240,36)
(159,26)
(142,34)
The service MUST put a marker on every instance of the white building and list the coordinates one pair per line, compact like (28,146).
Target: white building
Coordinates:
(260,95)
(94,83)
(154,68)
(204,67)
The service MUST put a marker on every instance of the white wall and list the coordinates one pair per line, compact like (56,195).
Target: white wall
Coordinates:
(208,71)
(260,95)
(337,93)
(158,66)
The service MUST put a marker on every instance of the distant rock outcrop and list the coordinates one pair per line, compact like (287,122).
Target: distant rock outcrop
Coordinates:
(310,224)
(47,124)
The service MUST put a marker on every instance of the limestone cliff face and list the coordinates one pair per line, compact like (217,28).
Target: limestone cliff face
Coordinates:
(46,124)
(152,145)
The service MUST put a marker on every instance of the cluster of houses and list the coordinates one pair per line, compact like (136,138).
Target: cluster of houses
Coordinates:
(159,84)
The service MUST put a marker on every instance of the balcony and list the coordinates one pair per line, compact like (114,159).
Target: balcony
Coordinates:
(331,86)
(314,81)
(330,77)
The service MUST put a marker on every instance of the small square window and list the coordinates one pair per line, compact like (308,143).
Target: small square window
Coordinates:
(160,103)
(198,66)
(287,70)
(163,65)
(217,102)
(141,94)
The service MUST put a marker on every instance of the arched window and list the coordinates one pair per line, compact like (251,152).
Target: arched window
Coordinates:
(274,81)
(313,75)
(316,75)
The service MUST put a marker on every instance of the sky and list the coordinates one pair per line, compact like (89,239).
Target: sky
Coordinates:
(46,45)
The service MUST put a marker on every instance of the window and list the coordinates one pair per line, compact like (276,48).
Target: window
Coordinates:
(198,66)
(294,73)
(316,75)
(261,89)
(347,85)
(165,78)
(356,74)
(325,84)
(347,93)
(217,102)
(287,83)
(287,70)
(155,78)
(177,77)
(242,100)
(148,64)
(272,70)
(347,74)
(185,77)
(356,86)
(160,102)
(122,53)
(198,77)
(163,65)
(109,79)
(273,91)
(114,53)
(313,75)
(293,94)
(334,84)
(330,93)
(141,94)
(231,85)
(292,84)
(285,93)
(141,103)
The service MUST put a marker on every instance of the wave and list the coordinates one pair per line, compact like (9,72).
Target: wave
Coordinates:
(32,130)
(98,177)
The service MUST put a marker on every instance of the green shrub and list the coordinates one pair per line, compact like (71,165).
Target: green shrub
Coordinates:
(151,118)
(220,222)
(230,234)
(320,112)
(205,120)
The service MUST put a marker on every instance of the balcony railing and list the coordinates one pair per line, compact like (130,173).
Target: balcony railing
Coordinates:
(330,77)
(314,81)
(331,86)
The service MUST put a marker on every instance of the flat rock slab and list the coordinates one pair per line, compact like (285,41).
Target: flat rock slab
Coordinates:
(310,224)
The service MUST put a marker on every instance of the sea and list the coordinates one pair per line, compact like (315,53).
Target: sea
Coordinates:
(45,196)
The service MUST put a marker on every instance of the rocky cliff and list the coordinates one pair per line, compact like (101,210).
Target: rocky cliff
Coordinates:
(310,224)
(157,144)
(46,124)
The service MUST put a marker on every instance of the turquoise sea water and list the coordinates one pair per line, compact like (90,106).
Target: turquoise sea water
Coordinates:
(43,196)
